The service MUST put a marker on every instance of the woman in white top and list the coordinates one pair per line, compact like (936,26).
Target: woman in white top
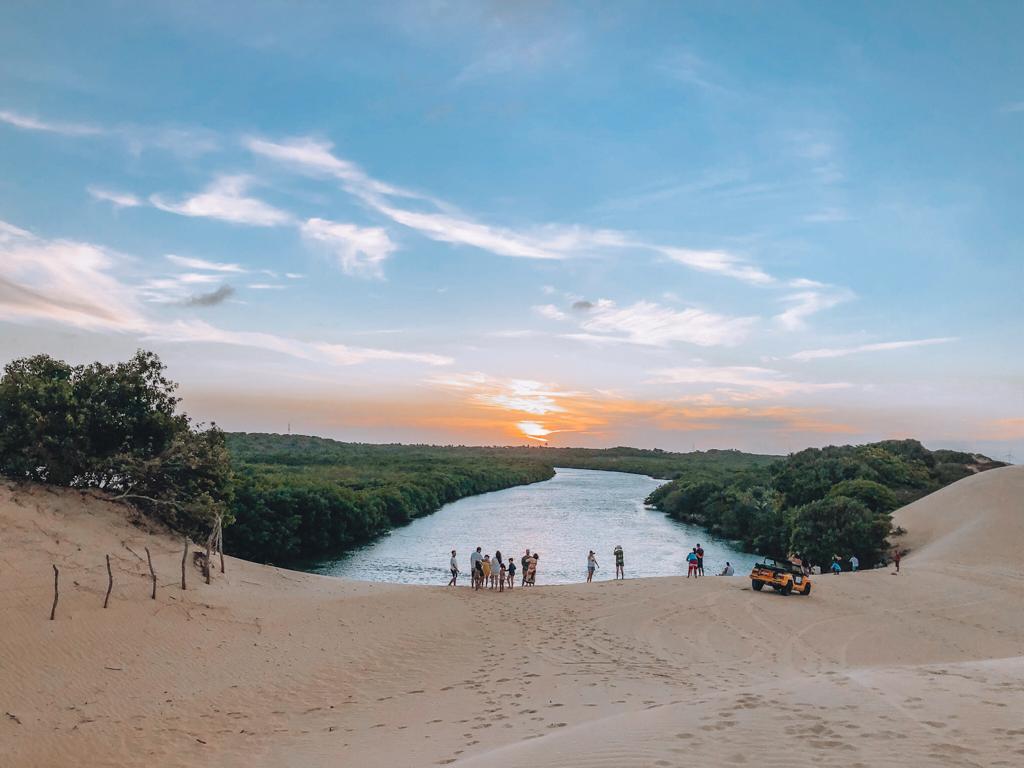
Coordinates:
(591,566)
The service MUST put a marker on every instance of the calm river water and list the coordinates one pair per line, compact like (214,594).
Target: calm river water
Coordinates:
(562,519)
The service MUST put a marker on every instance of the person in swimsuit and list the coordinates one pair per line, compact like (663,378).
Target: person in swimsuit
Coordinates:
(691,563)
(525,562)
(620,563)
(591,566)
(531,578)
(511,573)
(455,570)
(497,569)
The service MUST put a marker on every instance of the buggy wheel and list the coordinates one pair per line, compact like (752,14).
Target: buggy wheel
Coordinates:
(756,585)
(806,590)
(787,588)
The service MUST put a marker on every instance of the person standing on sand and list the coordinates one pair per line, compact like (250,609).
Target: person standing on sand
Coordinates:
(455,570)
(620,562)
(502,575)
(836,567)
(476,568)
(591,566)
(854,563)
(691,562)
(531,575)
(511,573)
(896,559)
(700,559)
(525,562)
(487,570)
(497,568)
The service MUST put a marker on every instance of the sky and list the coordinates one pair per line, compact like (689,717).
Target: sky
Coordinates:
(761,226)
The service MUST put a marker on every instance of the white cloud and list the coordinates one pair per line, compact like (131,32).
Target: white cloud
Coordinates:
(885,346)
(293,276)
(650,324)
(827,216)
(202,264)
(550,311)
(76,284)
(359,250)
(29,123)
(62,281)
(718,262)
(813,297)
(523,395)
(265,287)
(742,382)
(225,199)
(117,199)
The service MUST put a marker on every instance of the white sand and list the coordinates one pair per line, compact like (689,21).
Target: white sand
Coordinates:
(267,667)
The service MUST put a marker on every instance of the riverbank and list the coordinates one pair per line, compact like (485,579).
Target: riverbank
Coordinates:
(266,667)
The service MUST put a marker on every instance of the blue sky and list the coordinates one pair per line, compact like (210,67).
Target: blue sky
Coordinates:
(757,225)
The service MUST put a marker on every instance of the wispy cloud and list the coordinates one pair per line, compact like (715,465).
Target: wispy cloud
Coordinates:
(31,123)
(211,299)
(718,262)
(885,346)
(810,298)
(189,262)
(550,311)
(742,382)
(1012,107)
(650,324)
(358,250)
(686,67)
(117,199)
(77,284)
(225,199)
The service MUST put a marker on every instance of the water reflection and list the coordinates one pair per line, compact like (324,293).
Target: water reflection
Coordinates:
(562,519)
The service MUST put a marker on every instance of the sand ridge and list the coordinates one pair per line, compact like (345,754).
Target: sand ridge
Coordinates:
(267,667)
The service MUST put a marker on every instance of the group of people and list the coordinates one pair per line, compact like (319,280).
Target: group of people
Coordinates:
(695,562)
(496,572)
(836,566)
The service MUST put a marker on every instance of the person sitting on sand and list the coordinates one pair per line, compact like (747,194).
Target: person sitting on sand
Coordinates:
(487,571)
(728,570)
(591,566)
(455,570)
(620,562)
(511,573)
(525,562)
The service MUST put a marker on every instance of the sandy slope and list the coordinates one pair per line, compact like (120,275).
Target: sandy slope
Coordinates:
(272,668)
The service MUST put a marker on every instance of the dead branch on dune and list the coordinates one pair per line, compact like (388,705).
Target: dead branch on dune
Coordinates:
(152,573)
(184,556)
(110,583)
(56,592)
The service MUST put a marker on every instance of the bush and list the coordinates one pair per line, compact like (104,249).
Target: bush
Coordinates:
(116,428)
(838,525)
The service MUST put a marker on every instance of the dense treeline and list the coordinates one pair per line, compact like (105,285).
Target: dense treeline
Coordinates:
(114,428)
(302,497)
(818,502)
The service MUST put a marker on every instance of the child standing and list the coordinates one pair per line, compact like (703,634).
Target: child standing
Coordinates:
(511,573)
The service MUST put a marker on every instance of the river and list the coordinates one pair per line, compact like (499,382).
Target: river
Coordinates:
(562,519)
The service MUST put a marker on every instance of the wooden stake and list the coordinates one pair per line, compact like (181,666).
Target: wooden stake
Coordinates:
(183,556)
(152,573)
(207,566)
(56,592)
(110,583)
(220,541)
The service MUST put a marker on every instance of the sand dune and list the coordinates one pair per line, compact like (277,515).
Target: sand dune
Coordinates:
(267,667)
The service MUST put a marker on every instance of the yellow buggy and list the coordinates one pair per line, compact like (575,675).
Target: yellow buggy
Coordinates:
(783,577)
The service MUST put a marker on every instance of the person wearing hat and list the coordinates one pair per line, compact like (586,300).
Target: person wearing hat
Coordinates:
(620,562)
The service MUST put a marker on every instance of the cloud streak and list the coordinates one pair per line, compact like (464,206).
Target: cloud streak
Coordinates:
(885,346)
(225,199)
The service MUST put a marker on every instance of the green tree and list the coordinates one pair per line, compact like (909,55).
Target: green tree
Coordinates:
(838,525)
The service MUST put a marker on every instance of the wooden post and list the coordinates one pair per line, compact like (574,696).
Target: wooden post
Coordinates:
(56,593)
(110,583)
(220,541)
(207,565)
(183,556)
(152,573)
